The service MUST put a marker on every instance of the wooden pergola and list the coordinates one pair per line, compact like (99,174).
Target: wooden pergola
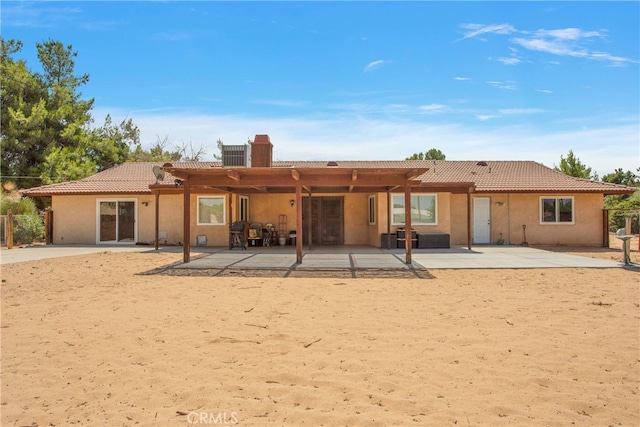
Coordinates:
(330,179)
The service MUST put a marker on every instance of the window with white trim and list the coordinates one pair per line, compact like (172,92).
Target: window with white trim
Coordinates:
(372,210)
(211,210)
(424,208)
(556,210)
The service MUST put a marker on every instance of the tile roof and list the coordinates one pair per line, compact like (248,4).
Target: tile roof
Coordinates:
(134,177)
(490,176)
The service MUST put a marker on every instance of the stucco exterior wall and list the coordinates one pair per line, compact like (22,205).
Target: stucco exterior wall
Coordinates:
(75,218)
(509,212)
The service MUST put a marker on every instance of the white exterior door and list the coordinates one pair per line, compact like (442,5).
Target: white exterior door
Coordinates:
(481,220)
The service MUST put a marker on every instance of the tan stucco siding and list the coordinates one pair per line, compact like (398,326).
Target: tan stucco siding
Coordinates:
(524,209)
(356,219)
(170,225)
(509,212)
(74,219)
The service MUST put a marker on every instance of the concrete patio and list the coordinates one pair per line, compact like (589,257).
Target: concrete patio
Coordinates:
(335,258)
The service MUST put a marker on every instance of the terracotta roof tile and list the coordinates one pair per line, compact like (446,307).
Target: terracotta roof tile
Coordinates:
(496,176)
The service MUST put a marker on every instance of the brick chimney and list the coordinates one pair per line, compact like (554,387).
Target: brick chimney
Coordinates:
(261,152)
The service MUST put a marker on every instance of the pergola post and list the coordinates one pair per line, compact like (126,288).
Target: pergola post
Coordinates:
(469,219)
(157,225)
(299,227)
(186,245)
(309,221)
(407,222)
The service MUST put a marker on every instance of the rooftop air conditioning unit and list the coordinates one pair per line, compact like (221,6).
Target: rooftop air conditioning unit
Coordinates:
(236,155)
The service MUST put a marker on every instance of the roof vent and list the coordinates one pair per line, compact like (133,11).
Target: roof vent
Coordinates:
(481,164)
(332,164)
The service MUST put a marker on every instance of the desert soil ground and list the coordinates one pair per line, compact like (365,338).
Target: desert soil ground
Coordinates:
(105,339)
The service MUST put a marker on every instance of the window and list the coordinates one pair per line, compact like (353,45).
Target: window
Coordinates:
(244,208)
(372,210)
(423,209)
(211,211)
(556,210)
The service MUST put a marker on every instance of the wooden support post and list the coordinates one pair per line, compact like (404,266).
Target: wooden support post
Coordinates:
(469,219)
(48,226)
(9,230)
(186,244)
(389,221)
(298,222)
(157,230)
(309,221)
(605,228)
(407,223)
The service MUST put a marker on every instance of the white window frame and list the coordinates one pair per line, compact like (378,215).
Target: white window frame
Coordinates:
(401,197)
(223,222)
(372,209)
(243,208)
(135,218)
(557,210)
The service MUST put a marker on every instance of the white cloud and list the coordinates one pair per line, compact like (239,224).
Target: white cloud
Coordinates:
(374,64)
(475,30)
(462,79)
(432,107)
(509,85)
(573,42)
(521,110)
(510,61)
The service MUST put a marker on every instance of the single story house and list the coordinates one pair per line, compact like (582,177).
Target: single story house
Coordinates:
(330,203)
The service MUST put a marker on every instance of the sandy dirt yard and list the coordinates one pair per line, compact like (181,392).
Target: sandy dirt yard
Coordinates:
(104,339)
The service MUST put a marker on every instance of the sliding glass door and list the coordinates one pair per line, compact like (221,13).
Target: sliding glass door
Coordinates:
(116,221)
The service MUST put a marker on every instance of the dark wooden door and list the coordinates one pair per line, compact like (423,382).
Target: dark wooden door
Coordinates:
(327,220)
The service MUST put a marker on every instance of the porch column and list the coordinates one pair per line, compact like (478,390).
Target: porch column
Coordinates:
(157,231)
(469,219)
(407,222)
(389,221)
(309,222)
(186,244)
(299,222)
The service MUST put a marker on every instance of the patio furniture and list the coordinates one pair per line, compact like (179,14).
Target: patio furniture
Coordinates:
(433,241)
(236,235)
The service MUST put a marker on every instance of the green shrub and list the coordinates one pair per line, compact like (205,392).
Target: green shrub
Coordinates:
(17,205)
(27,229)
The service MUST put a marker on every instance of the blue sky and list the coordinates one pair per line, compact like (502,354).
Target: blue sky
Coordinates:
(360,80)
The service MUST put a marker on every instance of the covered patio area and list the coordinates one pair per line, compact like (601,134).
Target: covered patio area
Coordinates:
(301,180)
